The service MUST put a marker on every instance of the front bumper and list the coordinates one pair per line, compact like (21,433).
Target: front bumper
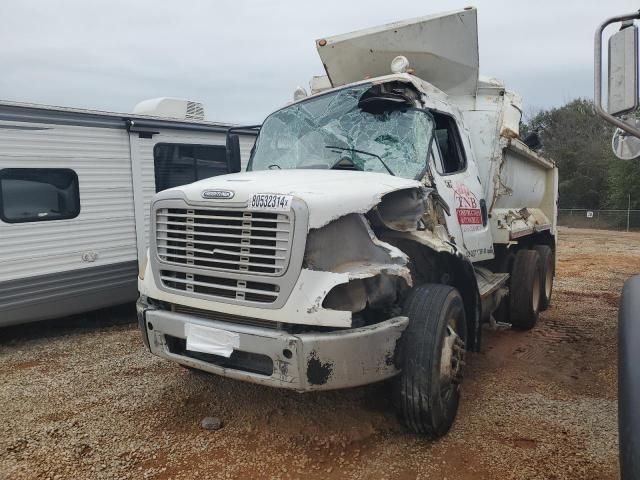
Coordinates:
(303,362)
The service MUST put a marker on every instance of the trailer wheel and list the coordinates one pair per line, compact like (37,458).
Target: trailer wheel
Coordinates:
(431,355)
(547,261)
(526,283)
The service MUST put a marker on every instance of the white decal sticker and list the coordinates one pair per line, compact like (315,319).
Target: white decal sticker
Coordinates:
(270,202)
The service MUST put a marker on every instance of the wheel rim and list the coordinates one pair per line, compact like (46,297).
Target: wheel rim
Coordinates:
(535,300)
(548,281)
(451,360)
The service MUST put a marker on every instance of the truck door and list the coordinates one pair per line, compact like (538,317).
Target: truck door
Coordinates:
(458,183)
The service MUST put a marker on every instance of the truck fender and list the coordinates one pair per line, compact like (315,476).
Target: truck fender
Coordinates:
(464,279)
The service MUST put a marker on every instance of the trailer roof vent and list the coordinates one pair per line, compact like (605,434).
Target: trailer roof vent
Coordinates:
(195,111)
(166,107)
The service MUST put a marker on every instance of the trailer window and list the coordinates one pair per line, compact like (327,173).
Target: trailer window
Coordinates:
(179,164)
(38,194)
(447,138)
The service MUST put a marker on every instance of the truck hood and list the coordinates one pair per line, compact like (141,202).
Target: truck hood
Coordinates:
(329,194)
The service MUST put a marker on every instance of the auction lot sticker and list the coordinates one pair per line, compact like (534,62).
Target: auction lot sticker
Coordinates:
(270,202)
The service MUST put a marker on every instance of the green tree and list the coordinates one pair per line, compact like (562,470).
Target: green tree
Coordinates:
(624,180)
(580,143)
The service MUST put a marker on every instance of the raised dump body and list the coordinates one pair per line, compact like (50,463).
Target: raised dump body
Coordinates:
(442,49)
(519,185)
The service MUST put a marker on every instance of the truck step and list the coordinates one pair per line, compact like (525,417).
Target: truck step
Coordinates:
(489,282)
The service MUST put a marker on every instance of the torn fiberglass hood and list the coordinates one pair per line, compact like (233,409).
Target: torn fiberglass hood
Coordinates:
(329,194)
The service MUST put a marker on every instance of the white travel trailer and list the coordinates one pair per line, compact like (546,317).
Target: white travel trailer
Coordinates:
(379,224)
(75,193)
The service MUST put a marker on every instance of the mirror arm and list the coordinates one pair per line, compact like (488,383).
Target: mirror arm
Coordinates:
(597,82)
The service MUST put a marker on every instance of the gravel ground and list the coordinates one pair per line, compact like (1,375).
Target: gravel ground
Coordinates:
(80,398)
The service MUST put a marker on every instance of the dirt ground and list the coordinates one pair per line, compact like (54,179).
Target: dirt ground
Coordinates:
(80,398)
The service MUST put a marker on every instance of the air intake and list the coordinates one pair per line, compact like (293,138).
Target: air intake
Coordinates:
(166,107)
(195,111)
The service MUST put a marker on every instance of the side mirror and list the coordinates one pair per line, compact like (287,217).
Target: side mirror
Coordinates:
(622,74)
(623,71)
(233,153)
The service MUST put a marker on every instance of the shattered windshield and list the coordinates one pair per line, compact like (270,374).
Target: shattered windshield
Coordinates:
(333,131)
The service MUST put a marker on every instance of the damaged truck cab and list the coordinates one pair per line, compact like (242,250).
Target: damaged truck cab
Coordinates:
(381,221)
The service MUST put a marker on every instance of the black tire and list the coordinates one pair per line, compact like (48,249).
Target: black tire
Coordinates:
(506,262)
(426,399)
(524,295)
(502,313)
(548,272)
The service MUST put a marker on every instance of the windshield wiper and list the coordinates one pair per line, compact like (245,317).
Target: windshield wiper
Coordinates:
(355,150)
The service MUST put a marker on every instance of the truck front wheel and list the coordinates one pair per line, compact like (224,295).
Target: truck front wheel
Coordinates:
(431,356)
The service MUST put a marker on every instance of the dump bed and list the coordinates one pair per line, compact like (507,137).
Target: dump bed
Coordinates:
(525,193)
(520,186)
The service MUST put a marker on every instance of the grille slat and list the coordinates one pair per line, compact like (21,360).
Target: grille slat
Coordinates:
(220,287)
(223,235)
(223,227)
(207,242)
(225,252)
(213,261)
(211,217)
(212,284)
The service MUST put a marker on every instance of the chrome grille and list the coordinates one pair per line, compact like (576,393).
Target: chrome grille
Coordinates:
(225,239)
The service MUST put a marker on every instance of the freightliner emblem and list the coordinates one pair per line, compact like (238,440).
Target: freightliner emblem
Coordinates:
(217,194)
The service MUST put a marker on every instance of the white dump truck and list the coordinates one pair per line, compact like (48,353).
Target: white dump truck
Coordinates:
(382,220)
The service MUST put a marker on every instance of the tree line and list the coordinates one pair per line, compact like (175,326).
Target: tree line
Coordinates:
(579,141)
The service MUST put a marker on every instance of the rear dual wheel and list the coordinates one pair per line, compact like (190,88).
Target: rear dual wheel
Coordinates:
(525,291)
(502,313)
(530,286)
(548,265)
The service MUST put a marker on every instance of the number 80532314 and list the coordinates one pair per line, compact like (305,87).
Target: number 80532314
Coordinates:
(270,202)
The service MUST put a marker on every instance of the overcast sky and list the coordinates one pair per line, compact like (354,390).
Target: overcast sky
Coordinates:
(244,58)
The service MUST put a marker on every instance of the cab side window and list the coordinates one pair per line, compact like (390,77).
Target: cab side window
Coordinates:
(449,144)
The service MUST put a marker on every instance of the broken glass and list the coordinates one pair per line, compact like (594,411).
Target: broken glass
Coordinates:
(306,134)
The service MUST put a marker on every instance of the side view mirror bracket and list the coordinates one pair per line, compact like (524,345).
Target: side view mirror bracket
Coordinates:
(234,161)
(623,58)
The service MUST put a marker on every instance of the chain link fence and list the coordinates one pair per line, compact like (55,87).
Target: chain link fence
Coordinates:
(623,220)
